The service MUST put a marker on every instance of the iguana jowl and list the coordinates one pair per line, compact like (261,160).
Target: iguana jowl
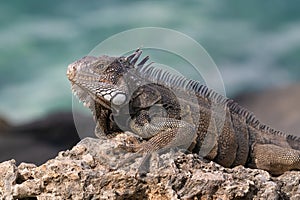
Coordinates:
(125,94)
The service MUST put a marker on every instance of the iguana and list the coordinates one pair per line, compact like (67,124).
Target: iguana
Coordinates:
(166,110)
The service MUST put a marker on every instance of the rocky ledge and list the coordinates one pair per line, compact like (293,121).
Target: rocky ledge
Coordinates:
(87,171)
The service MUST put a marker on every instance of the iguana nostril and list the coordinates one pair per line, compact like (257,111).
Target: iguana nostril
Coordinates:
(71,71)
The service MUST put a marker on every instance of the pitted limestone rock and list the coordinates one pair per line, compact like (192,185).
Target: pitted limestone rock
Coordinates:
(82,173)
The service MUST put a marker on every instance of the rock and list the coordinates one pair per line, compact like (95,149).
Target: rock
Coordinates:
(88,171)
(8,176)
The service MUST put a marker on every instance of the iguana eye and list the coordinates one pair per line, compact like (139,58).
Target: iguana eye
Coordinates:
(121,59)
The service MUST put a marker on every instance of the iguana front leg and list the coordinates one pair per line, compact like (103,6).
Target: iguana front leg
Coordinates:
(105,126)
(162,132)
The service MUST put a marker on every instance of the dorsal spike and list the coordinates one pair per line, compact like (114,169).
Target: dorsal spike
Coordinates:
(182,82)
(143,61)
(190,84)
(168,76)
(203,91)
(129,58)
(154,72)
(144,70)
(201,88)
(136,57)
(148,69)
(176,81)
(159,74)
(214,95)
(196,86)
(206,94)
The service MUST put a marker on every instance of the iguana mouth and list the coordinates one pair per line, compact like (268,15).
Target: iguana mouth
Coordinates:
(71,72)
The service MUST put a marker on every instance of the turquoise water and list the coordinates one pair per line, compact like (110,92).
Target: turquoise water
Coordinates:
(255,44)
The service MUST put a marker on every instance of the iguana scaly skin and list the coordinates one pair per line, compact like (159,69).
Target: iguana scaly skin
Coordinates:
(171,111)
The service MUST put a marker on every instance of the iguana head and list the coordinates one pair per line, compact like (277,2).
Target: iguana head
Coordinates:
(101,79)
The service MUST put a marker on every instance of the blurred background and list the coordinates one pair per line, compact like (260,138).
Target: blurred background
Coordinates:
(255,44)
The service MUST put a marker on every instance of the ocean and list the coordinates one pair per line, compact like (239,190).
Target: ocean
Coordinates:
(255,44)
